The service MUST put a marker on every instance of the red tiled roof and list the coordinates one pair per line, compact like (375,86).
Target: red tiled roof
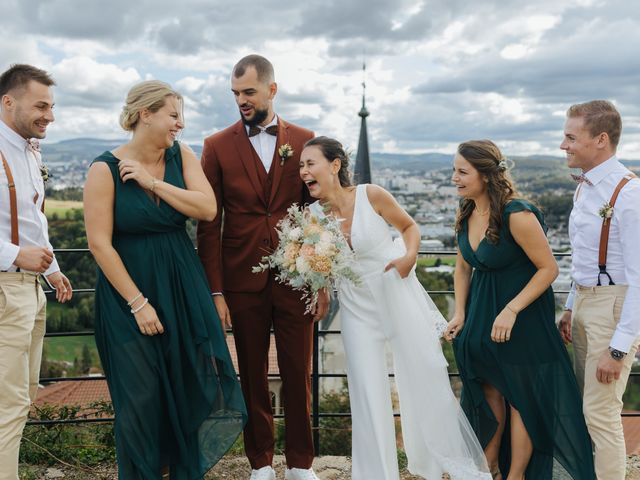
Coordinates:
(631,426)
(85,392)
(82,392)
(273,356)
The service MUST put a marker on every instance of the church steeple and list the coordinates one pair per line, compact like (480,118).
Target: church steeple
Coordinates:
(362,171)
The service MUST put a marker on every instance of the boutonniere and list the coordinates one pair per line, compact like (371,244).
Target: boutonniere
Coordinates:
(285,151)
(34,146)
(606,211)
(44,172)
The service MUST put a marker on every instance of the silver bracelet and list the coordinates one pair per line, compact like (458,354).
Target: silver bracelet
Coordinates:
(134,299)
(136,310)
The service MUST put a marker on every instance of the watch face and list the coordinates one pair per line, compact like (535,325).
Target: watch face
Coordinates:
(616,354)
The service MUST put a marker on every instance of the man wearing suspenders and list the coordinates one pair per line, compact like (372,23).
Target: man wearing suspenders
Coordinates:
(26,103)
(602,315)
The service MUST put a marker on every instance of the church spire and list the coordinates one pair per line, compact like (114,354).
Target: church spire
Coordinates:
(362,171)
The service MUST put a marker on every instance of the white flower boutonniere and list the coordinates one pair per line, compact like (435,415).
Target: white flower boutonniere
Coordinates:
(606,211)
(44,172)
(285,151)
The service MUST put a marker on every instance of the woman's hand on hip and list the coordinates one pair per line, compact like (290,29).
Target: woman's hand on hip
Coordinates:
(403,265)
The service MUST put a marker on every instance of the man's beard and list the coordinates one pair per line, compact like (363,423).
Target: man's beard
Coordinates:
(258,117)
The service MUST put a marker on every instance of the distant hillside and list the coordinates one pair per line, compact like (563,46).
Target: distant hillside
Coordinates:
(83,150)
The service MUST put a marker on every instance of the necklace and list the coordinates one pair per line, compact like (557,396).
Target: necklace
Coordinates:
(482,214)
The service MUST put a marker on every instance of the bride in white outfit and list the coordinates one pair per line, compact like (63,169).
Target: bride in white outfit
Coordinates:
(390,307)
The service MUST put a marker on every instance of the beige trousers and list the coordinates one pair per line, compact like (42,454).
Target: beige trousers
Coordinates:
(22,327)
(596,312)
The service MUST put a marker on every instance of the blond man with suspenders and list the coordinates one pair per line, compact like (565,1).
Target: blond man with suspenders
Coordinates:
(26,103)
(602,315)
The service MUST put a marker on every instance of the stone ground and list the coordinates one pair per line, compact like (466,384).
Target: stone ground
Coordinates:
(237,468)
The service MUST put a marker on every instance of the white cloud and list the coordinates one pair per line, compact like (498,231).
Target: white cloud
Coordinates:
(437,72)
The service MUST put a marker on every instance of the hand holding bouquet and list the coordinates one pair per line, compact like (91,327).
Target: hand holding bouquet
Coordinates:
(311,255)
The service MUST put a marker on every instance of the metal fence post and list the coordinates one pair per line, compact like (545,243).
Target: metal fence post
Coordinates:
(315,379)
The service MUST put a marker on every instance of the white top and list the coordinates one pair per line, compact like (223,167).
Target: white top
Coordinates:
(32,223)
(623,260)
(264,143)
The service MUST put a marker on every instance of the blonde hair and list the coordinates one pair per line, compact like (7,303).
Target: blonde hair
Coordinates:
(599,116)
(150,94)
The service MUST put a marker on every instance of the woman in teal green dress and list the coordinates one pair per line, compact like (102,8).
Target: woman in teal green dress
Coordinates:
(519,390)
(175,393)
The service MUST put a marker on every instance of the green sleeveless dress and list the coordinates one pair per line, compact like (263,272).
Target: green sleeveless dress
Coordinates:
(532,370)
(176,396)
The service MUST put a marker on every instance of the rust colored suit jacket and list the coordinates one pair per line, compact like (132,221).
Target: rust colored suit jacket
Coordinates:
(250,204)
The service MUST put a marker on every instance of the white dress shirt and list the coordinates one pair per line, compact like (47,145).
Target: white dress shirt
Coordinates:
(264,143)
(32,223)
(623,258)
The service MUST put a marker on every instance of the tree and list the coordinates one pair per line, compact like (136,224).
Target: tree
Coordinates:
(86,361)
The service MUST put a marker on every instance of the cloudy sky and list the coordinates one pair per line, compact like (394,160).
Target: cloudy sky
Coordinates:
(438,71)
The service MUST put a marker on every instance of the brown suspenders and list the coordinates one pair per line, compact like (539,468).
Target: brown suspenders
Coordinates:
(13,205)
(604,232)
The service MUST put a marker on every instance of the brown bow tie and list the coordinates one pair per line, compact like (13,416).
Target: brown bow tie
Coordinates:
(255,130)
(581,178)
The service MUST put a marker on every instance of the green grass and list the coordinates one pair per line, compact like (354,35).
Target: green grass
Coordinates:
(60,207)
(70,348)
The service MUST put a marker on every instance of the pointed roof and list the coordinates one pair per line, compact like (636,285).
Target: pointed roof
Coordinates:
(362,171)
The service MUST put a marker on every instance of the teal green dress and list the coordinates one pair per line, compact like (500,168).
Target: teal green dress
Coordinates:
(176,395)
(532,370)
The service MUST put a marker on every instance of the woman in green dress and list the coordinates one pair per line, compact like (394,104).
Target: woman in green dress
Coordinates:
(519,391)
(177,400)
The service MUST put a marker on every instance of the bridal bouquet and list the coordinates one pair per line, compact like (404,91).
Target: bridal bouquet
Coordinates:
(311,255)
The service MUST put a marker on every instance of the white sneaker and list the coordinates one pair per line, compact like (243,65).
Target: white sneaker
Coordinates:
(300,474)
(264,473)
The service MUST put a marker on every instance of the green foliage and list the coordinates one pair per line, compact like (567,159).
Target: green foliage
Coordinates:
(437,281)
(75,444)
(335,432)
(631,398)
(556,207)
(71,193)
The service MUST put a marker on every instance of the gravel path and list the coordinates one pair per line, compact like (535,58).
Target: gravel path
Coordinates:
(237,468)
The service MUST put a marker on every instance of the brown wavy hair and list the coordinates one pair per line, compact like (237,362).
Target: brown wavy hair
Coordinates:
(487,159)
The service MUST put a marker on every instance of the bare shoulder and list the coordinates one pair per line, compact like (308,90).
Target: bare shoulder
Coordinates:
(100,170)
(377,193)
(99,181)
(378,197)
(523,221)
(187,152)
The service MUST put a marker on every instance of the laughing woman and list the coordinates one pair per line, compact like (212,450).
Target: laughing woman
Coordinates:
(519,391)
(177,400)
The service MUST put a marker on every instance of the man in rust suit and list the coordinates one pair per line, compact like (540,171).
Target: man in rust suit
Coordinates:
(254,185)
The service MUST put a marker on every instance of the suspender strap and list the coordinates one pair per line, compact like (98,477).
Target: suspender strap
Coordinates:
(13,204)
(604,232)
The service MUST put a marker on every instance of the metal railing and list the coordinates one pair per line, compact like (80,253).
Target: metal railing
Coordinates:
(316,415)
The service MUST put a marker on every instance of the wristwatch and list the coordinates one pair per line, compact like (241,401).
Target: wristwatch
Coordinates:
(616,354)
